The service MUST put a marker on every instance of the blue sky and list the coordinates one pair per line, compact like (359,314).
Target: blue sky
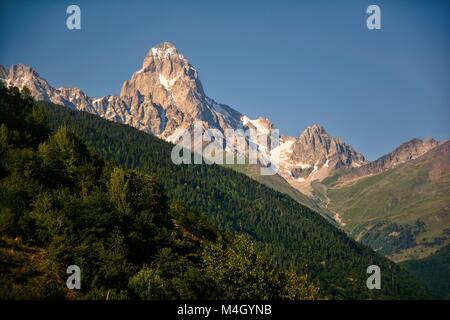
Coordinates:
(295,62)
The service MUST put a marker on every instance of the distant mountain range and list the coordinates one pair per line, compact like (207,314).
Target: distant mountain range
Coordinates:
(166,95)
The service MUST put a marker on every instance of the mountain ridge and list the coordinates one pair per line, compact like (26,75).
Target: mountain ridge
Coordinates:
(280,226)
(402,212)
(407,151)
(165,95)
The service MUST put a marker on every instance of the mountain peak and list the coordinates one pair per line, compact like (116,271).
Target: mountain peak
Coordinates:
(165,73)
(164,51)
(168,87)
(314,129)
(165,45)
(21,75)
(23,69)
(316,155)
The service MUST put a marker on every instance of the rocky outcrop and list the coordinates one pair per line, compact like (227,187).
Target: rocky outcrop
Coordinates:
(315,147)
(172,88)
(314,155)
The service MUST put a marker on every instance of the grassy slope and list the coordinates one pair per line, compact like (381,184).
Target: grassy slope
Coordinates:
(403,195)
(290,233)
(25,273)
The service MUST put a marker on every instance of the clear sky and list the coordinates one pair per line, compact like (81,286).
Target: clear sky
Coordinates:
(295,62)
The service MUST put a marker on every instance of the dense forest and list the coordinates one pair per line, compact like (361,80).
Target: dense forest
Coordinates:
(76,188)
(434,271)
(61,204)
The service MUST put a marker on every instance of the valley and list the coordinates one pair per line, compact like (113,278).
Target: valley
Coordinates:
(325,190)
(402,212)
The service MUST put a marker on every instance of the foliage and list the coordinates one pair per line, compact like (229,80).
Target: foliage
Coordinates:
(434,271)
(65,205)
(293,236)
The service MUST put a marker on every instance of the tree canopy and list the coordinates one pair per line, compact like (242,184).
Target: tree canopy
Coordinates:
(61,204)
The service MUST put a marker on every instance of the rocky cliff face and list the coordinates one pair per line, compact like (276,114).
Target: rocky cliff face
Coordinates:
(165,94)
(315,147)
(21,75)
(3,72)
(174,94)
(314,155)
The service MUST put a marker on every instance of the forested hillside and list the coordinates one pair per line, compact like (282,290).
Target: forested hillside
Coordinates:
(61,204)
(278,183)
(433,270)
(292,235)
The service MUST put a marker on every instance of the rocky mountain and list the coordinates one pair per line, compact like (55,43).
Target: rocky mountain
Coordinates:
(314,155)
(3,72)
(407,151)
(174,95)
(166,95)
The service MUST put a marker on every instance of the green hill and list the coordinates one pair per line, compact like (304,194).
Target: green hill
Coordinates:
(404,212)
(291,234)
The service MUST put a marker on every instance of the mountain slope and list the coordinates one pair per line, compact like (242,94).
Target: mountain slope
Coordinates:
(279,184)
(294,236)
(64,205)
(434,271)
(403,212)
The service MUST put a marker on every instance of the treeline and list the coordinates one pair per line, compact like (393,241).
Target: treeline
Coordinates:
(293,236)
(61,204)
